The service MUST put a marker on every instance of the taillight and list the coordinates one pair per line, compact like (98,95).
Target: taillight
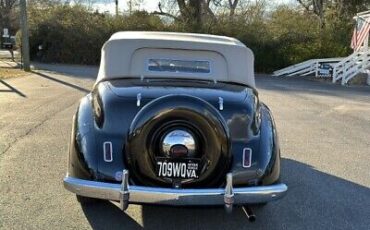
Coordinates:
(107,151)
(247,157)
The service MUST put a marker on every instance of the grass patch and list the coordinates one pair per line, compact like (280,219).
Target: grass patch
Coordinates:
(360,79)
(10,68)
(6,73)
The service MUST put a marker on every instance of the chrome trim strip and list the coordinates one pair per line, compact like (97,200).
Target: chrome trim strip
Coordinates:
(94,189)
(171,196)
(138,99)
(220,103)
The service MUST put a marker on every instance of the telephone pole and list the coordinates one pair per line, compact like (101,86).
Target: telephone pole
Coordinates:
(116,8)
(130,6)
(25,40)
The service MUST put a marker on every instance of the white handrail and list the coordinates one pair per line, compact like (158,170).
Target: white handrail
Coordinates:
(341,68)
(293,68)
(306,67)
(362,64)
(351,66)
(344,69)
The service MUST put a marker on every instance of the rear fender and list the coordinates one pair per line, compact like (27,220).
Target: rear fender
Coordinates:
(269,148)
(82,150)
(264,165)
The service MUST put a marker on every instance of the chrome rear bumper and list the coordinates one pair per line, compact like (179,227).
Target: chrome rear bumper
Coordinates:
(125,193)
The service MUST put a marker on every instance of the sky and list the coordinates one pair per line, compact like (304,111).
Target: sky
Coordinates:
(148,5)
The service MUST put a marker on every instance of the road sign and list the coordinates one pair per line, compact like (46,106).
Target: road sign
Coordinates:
(5,32)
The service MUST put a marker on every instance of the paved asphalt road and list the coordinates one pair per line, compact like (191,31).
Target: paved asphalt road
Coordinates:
(325,139)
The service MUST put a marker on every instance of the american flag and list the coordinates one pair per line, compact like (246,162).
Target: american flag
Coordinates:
(360,33)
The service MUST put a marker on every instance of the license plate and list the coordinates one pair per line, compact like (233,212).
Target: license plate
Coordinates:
(177,168)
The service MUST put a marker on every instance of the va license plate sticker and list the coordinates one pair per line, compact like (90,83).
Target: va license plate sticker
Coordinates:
(185,170)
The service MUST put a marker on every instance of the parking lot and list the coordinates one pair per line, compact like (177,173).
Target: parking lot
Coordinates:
(324,131)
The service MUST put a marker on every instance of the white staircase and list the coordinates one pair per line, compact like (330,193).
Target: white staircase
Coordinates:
(351,66)
(344,69)
(306,68)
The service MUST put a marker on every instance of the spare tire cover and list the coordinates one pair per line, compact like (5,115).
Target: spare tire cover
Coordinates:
(178,112)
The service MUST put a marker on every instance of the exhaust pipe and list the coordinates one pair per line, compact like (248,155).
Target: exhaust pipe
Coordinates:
(249,213)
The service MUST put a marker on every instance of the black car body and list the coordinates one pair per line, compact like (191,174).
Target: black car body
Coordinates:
(178,140)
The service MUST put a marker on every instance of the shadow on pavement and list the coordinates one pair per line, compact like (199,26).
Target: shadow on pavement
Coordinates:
(105,215)
(62,82)
(76,71)
(315,200)
(11,89)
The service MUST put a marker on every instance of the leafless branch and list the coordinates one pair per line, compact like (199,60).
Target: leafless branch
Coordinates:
(161,12)
(307,7)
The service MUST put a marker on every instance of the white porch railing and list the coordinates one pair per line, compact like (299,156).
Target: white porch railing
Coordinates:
(351,66)
(306,68)
(344,69)
(294,68)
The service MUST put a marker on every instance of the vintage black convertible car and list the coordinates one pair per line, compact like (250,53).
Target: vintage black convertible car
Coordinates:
(174,119)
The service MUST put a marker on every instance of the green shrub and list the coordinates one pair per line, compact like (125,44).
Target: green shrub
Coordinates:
(284,36)
(75,35)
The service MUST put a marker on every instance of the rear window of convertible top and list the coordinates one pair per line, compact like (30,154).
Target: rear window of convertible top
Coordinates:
(179,66)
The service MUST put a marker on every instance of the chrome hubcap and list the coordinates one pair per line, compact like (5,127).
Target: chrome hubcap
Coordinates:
(179,143)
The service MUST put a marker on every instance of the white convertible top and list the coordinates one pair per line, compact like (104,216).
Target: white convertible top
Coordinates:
(129,54)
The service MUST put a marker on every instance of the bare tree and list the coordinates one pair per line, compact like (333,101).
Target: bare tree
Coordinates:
(7,13)
(167,14)
(317,7)
(188,10)
(232,5)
